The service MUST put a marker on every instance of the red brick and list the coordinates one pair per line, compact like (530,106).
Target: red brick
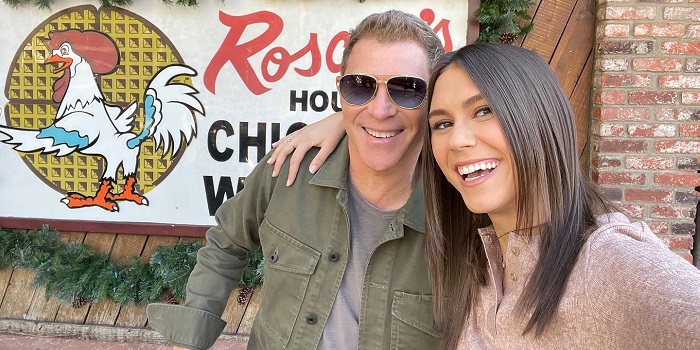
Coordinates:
(652,130)
(606,162)
(681,242)
(693,65)
(645,195)
(689,163)
(687,197)
(680,81)
(660,228)
(694,31)
(620,146)
(614,12)
(609,129)
(639,47)
(613,194)
(679,114)
(690,146)
(652,97)
(612,30)
(677,179)
(611,64)
(676,241)
(683,228)
(682,14)
(681,48)
(649,163)
(609,97)
(636,211)
(659,30)
(625,80)
(669,212)
(620,113)
(689,130)
(657,64)
(690,98)
(616,178)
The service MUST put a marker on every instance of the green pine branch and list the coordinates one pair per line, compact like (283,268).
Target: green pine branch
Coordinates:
(496,17)
(75,271)
(499,17)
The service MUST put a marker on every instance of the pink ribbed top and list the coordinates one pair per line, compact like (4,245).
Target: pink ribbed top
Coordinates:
(626,291)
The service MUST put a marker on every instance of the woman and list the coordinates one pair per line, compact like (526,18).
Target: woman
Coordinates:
(535,258)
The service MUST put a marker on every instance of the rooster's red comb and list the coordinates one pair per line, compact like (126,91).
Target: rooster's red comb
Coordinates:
(95,47)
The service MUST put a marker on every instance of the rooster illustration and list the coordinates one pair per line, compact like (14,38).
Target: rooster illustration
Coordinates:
(87,124)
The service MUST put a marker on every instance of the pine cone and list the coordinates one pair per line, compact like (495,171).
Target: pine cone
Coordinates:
(79,302)
(244,294)
(508,38)
(169,298)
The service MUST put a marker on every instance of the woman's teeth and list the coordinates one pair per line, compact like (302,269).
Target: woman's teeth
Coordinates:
(474,171)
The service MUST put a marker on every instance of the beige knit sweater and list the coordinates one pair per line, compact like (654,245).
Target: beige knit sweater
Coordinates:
(626,291)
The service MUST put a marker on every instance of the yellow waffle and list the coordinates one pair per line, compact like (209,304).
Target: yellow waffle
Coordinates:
(144,50)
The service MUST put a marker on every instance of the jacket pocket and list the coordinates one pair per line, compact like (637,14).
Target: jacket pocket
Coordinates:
(412,322)
(289,265)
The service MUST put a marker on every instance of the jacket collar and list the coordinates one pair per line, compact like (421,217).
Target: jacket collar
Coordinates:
(334,173)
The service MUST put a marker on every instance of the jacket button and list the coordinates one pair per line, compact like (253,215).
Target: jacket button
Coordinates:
(273,257)
(334,256)
(311,319)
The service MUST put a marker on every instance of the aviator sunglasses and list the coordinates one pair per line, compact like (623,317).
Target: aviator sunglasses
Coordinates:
(405,91)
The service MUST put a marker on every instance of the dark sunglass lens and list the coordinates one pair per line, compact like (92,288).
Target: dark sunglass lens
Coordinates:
(407,92)
(357,89)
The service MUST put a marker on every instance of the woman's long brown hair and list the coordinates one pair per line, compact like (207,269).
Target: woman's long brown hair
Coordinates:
(538,123)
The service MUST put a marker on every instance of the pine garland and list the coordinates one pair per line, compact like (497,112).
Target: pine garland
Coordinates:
(75,273)
(503,20)
(499,20)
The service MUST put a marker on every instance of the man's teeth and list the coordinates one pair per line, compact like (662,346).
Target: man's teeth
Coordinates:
(382,134)
(468,169)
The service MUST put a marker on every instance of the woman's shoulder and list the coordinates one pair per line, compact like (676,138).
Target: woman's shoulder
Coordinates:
(619,246)
(627,270)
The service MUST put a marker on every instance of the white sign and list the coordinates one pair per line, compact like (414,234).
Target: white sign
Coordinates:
(152,114)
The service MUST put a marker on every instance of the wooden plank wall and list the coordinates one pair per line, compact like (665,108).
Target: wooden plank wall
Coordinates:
(563,35)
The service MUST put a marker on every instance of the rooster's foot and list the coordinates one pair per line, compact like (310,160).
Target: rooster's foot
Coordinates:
(77,200)
(129,193)
(128,196)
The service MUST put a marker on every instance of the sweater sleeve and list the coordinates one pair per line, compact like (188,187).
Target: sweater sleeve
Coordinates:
(646,296)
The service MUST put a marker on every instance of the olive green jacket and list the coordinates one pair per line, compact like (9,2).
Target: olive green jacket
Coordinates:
(303,230)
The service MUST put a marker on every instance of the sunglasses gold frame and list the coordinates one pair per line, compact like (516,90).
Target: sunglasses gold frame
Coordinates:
(376,87)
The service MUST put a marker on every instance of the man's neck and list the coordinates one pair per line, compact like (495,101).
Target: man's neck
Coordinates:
(387,191)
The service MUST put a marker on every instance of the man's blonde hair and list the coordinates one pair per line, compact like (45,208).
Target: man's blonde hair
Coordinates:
(395,26)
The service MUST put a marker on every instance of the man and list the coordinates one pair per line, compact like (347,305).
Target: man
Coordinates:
(344,247)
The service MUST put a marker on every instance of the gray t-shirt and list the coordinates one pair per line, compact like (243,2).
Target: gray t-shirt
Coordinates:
(367,223)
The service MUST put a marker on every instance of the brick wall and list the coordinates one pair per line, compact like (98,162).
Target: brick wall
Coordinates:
(645,132)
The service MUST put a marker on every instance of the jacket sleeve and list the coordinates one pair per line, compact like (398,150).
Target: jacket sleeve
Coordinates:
(646,295)
(220,265)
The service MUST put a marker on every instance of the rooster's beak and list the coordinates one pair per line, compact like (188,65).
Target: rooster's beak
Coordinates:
(58,59)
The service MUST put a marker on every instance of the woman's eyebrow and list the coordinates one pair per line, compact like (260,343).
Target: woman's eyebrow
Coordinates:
(468,102)
(472,100)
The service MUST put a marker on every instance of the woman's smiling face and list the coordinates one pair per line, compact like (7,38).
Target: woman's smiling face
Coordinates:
(470,148)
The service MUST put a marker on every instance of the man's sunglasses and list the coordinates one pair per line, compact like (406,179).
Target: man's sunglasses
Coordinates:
(406,92)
